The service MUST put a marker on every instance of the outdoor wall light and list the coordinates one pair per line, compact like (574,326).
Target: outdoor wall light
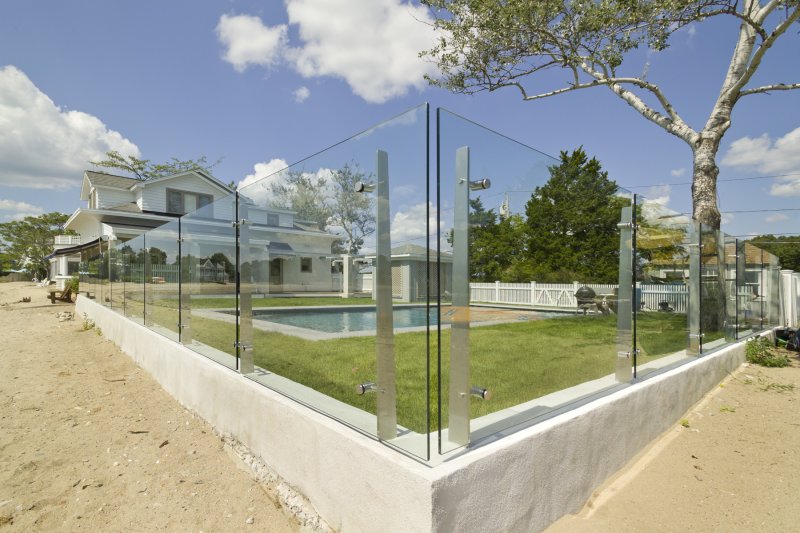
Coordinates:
(480,392)
(480,185)
(364,388)
(364,186)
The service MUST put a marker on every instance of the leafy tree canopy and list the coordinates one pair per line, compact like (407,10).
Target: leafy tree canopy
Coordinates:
(144,169)
(29,241)
(331,202)
(572,223)
(786,247)
(573,45)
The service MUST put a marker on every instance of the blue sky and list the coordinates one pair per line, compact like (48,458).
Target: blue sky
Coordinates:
(260,83)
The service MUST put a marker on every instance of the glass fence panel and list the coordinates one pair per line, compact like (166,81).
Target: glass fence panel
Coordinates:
(162,290)
(731,299)
(530,324)
(91,272)
(665,241)
(336,259)
(773,290)
(116,285)
(208,281)
(747,307)
(133,277)
(713,303)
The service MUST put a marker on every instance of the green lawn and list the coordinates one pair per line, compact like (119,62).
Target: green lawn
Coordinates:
(517,361)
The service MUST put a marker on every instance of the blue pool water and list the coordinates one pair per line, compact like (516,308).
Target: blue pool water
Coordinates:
(343,321)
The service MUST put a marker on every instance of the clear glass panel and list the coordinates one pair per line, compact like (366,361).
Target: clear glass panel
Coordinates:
(665,241)
(162,288)
(133,277)
(529,325)
(116,268)
(746,289)
(91,272)
(713,303)
(731,298)
(208,264)
(773,290)
(339,279)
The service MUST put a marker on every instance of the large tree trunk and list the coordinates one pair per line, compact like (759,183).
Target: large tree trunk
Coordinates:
(704,182)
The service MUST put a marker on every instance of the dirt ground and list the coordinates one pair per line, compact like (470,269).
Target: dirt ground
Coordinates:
(732,464)
(90,442)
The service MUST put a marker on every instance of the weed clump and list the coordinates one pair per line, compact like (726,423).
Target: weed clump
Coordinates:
(760,351)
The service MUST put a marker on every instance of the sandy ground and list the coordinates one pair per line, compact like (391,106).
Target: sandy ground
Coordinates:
(731,465)
(89,442)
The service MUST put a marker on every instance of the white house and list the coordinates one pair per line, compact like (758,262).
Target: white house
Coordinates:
(119,209)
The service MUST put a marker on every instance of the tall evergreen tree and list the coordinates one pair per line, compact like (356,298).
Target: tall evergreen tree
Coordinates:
(572,222)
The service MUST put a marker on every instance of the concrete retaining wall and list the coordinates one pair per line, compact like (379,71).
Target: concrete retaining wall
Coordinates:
(522,482)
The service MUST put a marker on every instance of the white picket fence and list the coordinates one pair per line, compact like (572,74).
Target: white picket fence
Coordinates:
(562,295)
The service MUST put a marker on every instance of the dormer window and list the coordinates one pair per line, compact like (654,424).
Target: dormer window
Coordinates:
(182,202)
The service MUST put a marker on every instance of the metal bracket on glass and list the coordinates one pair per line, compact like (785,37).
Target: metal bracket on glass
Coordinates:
(242,346)
(696,335)
(182,326)
(239,223)
(384,338)
(480,392)
(363,388)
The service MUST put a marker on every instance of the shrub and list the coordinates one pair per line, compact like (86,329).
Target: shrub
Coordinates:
(761,352)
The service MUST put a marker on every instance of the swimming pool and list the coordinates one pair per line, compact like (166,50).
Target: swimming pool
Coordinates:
(345,320)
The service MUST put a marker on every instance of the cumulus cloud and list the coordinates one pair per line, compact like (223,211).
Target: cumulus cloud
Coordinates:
(763,154)
(249,42)
(409,224)
(256,186)
(373,45)
(18,210)
(677,172)
(777,217)
(43,146)
(301,94)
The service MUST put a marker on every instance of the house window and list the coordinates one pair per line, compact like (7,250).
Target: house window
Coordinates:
(272,220)
(305,264)
(182,202)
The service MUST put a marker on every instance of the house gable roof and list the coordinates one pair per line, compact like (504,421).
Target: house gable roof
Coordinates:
(201,173)
(92,179)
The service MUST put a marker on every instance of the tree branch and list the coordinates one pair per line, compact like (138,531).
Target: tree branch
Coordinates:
(779,30)
(768,88)
(673,123)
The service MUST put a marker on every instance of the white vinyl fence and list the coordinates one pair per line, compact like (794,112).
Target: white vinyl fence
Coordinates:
(562,295)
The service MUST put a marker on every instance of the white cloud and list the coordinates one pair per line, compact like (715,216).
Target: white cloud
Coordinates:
(43,146)
(301,94)
(777,217)
(659,194)
(677,172)
(765,155)
(726,218)
(249,42)
(264,174)
(373,45)
(409,225)
(19,210)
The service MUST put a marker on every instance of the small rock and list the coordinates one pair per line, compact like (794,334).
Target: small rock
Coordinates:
(249,520)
